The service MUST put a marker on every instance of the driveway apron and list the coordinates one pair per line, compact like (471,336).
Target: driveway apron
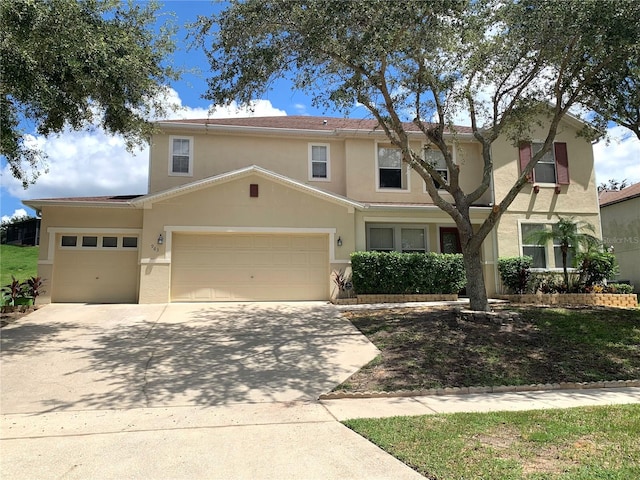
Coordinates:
(182,391)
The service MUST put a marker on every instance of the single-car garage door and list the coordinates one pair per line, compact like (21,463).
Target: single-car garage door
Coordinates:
(96,268)
(234,267)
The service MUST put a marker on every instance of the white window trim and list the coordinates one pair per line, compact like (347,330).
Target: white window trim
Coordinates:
(405,169)
(179,174)
(310,149)
(555,166)
(397,234)
(99,246)
(454,158)
(548,248)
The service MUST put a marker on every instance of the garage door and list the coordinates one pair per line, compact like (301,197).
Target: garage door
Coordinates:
(232,267)
(96,269)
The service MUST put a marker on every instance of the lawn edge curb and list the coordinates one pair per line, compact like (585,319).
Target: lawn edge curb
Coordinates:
(475,390)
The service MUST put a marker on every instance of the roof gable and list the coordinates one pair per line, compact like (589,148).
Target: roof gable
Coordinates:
(147,201)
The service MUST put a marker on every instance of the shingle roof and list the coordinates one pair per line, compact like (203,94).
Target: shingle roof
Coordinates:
(607,197)
(302,122)
(108,198)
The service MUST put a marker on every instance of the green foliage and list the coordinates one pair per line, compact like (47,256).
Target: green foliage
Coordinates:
(69,63)
(570,235)
(405,273)
(619,288)
(16,292)
(595,267)
(515,272)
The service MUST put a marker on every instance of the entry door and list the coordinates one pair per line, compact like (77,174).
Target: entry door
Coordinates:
(450,240)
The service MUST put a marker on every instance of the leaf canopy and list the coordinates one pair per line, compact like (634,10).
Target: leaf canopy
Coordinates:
(68,63)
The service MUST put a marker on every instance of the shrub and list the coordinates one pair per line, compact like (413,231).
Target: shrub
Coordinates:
(619,288)
(595,267)
(407,273)
(515,273)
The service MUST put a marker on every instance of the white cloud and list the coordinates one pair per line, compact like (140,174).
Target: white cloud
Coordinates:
(94,163)
(17,213)
(620,159)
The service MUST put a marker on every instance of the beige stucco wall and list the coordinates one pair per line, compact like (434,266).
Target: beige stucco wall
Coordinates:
(228,207)
(621,229)
(86,220)
(578,198)
(362,184)
(217,153)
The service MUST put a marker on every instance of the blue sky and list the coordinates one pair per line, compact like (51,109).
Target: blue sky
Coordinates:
(93,163)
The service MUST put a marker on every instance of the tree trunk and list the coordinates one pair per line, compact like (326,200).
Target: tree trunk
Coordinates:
(475,281)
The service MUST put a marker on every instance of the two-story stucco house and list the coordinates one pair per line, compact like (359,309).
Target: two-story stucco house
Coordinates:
(267,208)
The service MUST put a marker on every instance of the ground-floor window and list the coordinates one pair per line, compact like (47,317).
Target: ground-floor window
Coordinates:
(547,255)
(397,238)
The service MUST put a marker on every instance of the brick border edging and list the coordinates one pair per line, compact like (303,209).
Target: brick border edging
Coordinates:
(472,390)
(616,300)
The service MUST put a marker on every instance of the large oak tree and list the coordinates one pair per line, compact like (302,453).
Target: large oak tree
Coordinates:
(504,64)
(78,63)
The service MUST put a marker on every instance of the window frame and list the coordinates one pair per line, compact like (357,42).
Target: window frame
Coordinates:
(552,154)
(549,248)
(397,229)
(189,173)
(327,162)
(405,184)
(452,150)
(327,177)
(81,246)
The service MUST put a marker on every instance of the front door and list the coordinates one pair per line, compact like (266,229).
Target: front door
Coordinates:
(450,240)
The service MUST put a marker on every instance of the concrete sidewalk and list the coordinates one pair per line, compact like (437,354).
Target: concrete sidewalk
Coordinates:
(349,408)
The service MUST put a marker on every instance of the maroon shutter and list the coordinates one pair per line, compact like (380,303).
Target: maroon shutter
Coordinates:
(525,158)
(562,163)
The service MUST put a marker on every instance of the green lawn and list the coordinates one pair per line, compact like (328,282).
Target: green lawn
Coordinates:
(21,262)
(579,443)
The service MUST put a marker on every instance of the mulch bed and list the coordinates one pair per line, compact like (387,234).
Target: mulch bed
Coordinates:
(438,347)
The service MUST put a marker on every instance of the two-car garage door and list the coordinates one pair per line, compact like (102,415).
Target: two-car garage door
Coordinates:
(237,267)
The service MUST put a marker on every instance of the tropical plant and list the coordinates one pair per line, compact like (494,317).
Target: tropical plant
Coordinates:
(34,287)
(13,291)
(567,234)
(595,267)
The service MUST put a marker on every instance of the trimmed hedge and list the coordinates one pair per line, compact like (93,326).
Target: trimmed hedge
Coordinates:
(407,273)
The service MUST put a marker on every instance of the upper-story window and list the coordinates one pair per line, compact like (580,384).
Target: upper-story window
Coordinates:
(434,156)
(319,162)
(552,168)
(391,173)
(181,156)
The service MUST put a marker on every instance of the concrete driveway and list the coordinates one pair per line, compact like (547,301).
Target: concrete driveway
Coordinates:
(182,391)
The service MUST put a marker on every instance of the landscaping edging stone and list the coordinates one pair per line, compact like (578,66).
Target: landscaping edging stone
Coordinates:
(396,298)
(496,389)
(621,300)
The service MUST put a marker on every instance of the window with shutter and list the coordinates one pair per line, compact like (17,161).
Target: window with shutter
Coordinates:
(552,168)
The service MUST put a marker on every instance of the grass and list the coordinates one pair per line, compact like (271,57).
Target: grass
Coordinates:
(21,262)
(578,443)
(431,348)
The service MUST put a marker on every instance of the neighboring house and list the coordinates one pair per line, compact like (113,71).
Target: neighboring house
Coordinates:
(267,208)
(23,232)
(620,214)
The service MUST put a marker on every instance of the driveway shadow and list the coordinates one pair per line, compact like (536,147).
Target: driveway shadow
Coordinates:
(210,355)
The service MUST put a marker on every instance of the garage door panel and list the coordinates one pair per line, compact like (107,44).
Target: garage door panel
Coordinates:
(95,276)
(225,267)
